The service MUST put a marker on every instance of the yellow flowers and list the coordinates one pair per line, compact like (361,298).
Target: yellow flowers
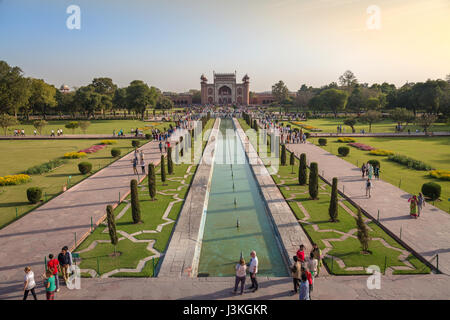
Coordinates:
(381,152)
(440,174)
(14,179)
(346,139)
(74,155)
(108,142)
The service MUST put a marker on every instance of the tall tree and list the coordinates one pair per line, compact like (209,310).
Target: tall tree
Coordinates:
(42,97)
(169,161)
(151,181)
(7,121)
(40,125)
(334,100)
(348,79)
(333,208)
(111,225)
(401,116)
(280,92)
(426,121)
(135,206)
(163,170)
(371,117)
(14,89)
(283,155)
(313,180)
(88,100)
(140,96)
(119,101)
(363,232)
(302,170)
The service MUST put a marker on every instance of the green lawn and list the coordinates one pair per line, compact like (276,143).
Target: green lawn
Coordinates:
(96,127)
(17,156)
(348,250)
(434,151)
(152,216)
(330,125)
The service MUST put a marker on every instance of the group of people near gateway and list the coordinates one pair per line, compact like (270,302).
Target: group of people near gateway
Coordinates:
(50,278)
(287,135)
(303,270)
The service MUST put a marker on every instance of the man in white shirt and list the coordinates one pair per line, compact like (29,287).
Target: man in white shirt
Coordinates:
(253,269)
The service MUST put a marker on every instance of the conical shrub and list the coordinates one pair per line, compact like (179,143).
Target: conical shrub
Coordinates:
(169,161)
(151,181)
(111,225)
(302,170)
(333,209)
(163,170)
(314,180)
(135,206)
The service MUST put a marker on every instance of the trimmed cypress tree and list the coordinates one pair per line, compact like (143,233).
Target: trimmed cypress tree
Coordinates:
(314,180)
(163,170)
(111,226)
(333,209)
(283,155)
(292,161)
(151,181)
(302,174)
(363,232)
(135,207)
(169,161)
(255,125)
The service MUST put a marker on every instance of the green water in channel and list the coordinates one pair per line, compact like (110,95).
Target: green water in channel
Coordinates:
(223,242)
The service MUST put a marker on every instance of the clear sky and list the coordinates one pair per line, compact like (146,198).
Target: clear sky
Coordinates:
(170,43)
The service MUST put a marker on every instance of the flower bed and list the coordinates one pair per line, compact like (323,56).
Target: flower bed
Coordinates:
(440,174)
(307,127)
(12,180)
(74,155)
(93,148)
(381,152)
(361,146)
(108,142)
(346,139)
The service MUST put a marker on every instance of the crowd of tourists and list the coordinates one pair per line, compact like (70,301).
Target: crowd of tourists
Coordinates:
(286,133)
(51,282)
(304,270)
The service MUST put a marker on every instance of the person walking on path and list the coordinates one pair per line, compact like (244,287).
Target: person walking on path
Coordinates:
(296,270)
(413,206)
(65,262)
(241,271)
(253,269)
(318,255)
(53,266)
(29,284)
(135,160)
(143,166)
(363,169)
(420,203)
(49,284)
(369,171)
(368,187)
(376,172)
(310,280)
(160,146)
(304,288)
(312,264)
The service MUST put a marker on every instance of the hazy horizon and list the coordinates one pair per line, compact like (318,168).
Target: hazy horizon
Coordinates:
(169,44)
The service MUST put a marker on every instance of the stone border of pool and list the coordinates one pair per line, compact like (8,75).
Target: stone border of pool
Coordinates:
(287,228)
(182,255)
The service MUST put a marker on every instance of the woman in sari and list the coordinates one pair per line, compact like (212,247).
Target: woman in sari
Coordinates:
(413,206)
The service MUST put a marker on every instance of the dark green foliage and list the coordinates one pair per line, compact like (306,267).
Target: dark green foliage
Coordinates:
(411,163)
(111,225)
(45,167)
(255,125)
(343,151)
(302,174)
(292,159)
(163,170)
(169,161)
(151,181)
(322,141)
(115,152)
(135,206)
(333,209)
(363,232)
(314,180)
(34,194)
(431,190)
(283,155)
(307,134)
(374,163)
(148,136)
(135,143)
(85,167)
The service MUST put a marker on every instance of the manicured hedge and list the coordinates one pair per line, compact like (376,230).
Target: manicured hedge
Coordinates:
(411,163)
(322,141)
(344,151)
(431,190)
(135,143)
(115,152)
(45,167)
(34,194)
(85,167)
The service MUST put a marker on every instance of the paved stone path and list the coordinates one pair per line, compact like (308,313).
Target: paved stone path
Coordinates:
(428,235)
(406,287)
(51,226)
